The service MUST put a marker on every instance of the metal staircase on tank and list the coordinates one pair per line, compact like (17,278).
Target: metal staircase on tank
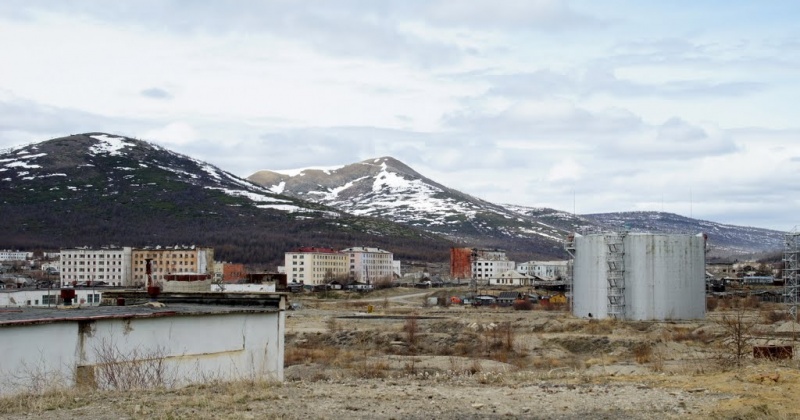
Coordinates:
(791,271)
(569,246)
(615,275)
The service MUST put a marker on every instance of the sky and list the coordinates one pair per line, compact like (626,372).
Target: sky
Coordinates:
(688,107)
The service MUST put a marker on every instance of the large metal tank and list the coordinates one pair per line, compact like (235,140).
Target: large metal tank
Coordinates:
(662,276)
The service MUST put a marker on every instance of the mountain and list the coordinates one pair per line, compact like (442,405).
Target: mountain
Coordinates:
(97,189)
(389,189)
(723,239)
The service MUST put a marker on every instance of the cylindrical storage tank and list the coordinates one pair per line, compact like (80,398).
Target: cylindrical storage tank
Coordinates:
(664,276)
(589,277)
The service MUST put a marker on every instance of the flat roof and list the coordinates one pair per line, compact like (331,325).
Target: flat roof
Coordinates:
(35,315)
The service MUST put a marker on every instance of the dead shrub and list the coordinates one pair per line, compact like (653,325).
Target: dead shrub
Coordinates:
(372,370)
(136,369)
(522,305)
(772,317)
(411,328)
(682,334)
(642,352)
(332,324)
(604,326)
(711,303)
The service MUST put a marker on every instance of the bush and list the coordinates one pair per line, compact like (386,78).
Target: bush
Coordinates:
(711,303)
(522,305)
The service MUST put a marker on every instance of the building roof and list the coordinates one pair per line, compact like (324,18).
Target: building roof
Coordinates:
(33,316)
(357,249)
(311,249)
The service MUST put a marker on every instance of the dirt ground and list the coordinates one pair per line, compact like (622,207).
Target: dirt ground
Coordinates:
(404,360)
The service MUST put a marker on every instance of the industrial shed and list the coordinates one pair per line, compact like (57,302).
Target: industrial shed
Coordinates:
(194,338)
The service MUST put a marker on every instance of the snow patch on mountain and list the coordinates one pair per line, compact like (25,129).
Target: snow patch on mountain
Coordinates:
(109,145)
(299,171)
(278,189)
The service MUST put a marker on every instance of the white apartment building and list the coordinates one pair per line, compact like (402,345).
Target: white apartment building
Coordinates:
(109,265)
(368,265)
(548,270)
(315,265)
(8,255)
(170,260)
(489,264)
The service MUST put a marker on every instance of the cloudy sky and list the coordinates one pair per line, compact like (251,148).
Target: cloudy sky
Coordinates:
(687,106)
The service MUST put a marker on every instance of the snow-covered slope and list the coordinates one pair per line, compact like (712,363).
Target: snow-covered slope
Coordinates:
(387,188)
(96,188)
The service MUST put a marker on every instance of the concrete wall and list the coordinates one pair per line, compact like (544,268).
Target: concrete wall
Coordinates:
(193,348)
(664,276)
(264,287)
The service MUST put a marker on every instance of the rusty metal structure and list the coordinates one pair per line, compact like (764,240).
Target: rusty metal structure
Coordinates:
(461,263)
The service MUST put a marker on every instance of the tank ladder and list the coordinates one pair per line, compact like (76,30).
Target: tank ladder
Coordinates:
(615,274)
(791,271)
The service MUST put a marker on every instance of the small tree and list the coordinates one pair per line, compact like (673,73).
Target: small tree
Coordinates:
(738,326)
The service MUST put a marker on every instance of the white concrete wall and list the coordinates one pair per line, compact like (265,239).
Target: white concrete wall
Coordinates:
(664,276)
(249,288)
(194,348)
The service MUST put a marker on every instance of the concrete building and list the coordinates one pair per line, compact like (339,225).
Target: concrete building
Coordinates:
(30,297)
(313,266)
(480,264)
(546,270)
(171,260)
(511,278)
(9,255)
(108,265)
(639,276)
(370,265)
(185,342)
(226,272)
(488,264)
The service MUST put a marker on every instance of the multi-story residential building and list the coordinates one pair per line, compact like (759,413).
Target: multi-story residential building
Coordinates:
(228,272)
(8,255)
(488,264)
(316,265)
(369,265)
(170,260)
(547,270)
(108,265)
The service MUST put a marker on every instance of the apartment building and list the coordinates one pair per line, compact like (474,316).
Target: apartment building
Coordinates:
(547,270)
(313,266)
(8,255)
(488,264)
(368,265)
(108,265)
(170,260)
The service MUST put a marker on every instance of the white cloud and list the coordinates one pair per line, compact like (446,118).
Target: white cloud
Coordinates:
(627,104)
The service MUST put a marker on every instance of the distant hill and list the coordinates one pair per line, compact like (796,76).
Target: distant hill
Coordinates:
(389,189)
(97,189)
(725,239)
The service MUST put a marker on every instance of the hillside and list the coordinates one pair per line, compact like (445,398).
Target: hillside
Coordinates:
(389,189)
(96,189)
(723,239)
